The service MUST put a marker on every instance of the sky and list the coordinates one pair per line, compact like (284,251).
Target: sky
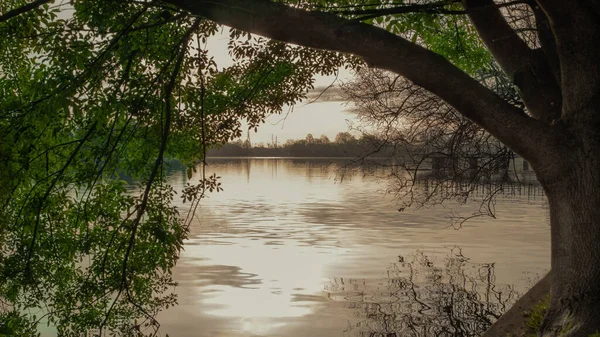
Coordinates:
(327,115)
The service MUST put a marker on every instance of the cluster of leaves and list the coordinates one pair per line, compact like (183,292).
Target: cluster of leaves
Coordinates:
(448,35)
(91,91)
(12,324)
(440,26)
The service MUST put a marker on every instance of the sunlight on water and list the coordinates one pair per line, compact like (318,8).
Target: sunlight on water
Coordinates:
(275,274)
(287,246)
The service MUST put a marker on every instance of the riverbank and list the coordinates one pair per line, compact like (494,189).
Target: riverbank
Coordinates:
(514,322)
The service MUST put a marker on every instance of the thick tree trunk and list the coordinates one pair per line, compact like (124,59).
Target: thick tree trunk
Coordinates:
(574,202)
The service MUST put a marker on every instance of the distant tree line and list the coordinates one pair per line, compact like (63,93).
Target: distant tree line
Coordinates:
(344,145)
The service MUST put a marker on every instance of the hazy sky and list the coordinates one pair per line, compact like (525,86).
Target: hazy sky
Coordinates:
(326,116)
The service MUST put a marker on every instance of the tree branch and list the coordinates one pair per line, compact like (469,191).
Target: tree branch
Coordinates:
(546,37)
(437,8)
(23,9)
(49,190)
(384,50)
(141,208)
(431,8)
(526,68)
(576,25)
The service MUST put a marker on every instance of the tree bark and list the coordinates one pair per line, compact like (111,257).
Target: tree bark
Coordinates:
(574,203)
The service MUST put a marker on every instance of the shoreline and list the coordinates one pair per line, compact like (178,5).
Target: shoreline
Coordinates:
(514,322)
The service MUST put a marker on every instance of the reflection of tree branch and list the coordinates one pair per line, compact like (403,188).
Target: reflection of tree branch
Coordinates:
(452,300)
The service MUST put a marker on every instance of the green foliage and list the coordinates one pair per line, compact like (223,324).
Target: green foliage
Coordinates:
(536,316)
(449,35)
(13,324)
(91,91)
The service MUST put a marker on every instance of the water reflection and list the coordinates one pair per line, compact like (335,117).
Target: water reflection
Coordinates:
(265,254)
(425,297)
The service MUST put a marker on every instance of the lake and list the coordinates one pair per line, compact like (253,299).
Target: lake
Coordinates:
(291,249)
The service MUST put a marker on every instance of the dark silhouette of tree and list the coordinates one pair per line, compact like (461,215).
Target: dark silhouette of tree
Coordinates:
(344,138)
(309,147)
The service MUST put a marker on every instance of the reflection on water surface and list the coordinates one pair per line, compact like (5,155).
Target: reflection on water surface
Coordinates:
(425,297)
(289,250)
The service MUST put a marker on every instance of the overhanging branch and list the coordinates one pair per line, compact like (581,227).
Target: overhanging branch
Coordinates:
(430,8)
(546,38)
(23,9)
(386,51)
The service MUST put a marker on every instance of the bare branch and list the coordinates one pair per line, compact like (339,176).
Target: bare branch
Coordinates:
(365,14)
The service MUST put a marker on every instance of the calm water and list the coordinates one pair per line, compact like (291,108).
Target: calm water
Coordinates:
(287,249)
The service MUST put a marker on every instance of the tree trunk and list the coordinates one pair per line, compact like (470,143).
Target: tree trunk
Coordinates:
(574,202)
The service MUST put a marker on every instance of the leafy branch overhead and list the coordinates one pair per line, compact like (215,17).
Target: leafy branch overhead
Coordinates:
(92,91)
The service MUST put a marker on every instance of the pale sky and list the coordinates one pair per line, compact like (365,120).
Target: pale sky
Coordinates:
(326,116)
